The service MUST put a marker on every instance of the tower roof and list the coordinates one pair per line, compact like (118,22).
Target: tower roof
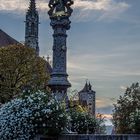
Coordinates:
(32,6)
(90,86)
(6,40)
(87,88)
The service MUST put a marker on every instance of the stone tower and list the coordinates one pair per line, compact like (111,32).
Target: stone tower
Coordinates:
(31,27)
(59,13)
(87,98)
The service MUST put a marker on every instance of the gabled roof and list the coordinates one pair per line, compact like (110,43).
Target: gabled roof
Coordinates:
(6,40)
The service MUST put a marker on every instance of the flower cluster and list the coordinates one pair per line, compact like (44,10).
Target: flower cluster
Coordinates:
(35,114)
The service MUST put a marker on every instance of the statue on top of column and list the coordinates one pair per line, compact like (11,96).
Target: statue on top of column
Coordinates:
(60,8)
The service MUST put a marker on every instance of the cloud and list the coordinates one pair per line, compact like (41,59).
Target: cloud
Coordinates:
(108,116)
(13,5)
(123,88)
(101,104)
(106,112)
(104,109)
(19,7)
(84,9)
(102,66)
(99,9)
(109,72)
(104,5)
(108,121)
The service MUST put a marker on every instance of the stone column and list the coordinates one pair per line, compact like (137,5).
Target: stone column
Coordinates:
(59,13)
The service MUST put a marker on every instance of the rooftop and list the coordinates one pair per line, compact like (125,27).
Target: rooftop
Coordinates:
(6,40)
(87,88)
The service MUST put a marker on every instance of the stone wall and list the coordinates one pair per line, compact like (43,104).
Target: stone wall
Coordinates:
(90,137)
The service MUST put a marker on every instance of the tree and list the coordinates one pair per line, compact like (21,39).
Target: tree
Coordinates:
(126,114)
(21,69)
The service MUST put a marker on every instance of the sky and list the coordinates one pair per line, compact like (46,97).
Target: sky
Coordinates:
(103,43)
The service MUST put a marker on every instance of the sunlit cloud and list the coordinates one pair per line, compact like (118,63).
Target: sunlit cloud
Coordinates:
(106,113)
(123,88)
(100,103)
(108,116)
(103,5)
(107,119)
(12,5)
(21,6)
(99,9)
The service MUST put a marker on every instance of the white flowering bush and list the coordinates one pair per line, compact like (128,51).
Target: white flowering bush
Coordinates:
(83,123)
(78,122)
(57,119)
(22,119)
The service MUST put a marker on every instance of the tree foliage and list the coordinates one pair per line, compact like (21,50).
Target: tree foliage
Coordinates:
(126,116)
(20,69)
(74,101)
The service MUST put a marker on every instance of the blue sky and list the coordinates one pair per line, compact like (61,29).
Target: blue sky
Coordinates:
(103,43)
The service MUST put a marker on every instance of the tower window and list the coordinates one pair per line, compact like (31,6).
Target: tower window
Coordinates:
(32,28)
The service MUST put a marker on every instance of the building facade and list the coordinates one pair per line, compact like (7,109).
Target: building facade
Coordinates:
(87,98)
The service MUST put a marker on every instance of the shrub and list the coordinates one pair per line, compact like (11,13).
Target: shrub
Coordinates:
(83,123)
(35,114)
(78,122)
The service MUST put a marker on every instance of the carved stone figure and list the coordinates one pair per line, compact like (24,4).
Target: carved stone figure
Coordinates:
(60,8)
